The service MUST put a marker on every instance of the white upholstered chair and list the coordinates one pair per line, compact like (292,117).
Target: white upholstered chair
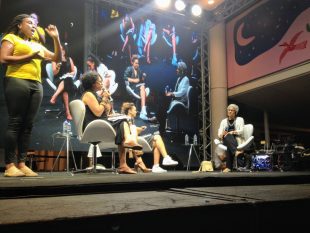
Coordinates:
(98,132)
(248,137)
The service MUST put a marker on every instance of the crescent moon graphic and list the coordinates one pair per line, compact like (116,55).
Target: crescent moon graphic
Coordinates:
(240,39)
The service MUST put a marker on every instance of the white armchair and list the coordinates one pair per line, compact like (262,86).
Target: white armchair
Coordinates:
(248,137)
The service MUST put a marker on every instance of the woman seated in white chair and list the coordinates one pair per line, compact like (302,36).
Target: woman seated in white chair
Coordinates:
(230,132)
(63,78)
(155,141)
(99,107)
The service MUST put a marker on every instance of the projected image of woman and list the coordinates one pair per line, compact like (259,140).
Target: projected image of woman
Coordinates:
(147,37)
(39,34)
(94,64)
(172,40)
(64,73)
(127,29)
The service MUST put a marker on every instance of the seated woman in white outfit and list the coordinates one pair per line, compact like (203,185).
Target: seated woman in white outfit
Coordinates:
(230,131)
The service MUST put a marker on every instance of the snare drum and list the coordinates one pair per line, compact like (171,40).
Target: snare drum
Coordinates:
(261,162)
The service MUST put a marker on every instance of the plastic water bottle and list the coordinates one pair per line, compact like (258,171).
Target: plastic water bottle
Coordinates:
(186,139)
(69,128)
(65,127)
(195,139)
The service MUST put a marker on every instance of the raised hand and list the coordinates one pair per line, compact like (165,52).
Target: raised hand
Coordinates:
(52,31)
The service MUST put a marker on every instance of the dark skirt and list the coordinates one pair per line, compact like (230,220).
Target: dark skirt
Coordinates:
(68,85)
(118,126)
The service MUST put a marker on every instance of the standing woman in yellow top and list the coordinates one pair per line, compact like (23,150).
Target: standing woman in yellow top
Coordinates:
(22,87)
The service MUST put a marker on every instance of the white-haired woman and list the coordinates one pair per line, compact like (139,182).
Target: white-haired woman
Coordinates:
(230,131)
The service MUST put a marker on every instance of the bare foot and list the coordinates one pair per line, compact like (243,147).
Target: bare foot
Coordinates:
(53,100)
(238,153)
(69,117)
(126,170)
(222,157)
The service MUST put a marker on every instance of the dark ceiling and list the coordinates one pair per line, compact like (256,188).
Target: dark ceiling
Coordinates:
(287,104)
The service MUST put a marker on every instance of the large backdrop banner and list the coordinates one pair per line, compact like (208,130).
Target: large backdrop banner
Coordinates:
(269,37)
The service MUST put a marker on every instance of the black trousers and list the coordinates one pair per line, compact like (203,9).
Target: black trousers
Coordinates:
(232,144)
(23,99)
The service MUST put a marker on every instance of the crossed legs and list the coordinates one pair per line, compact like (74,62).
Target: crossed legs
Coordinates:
(65,97)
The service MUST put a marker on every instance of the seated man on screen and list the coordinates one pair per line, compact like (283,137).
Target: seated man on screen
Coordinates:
(135,78)
(181,85)
(178,95)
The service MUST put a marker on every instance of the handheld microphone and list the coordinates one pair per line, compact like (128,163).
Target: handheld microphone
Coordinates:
(166,88)
(106,90)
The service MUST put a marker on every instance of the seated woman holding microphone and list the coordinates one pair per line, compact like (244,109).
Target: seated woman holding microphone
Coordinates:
(98,106)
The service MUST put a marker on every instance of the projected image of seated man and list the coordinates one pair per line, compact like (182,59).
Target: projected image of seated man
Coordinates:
(135,80)
(179,95)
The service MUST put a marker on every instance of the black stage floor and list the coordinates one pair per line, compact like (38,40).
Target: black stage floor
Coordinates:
(176,201)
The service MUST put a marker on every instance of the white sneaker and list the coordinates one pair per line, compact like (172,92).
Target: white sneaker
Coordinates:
(143,116)
(168,161)
(158,169)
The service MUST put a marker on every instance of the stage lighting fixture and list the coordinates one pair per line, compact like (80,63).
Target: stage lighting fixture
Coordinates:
(179,5)
(210,2)
(196,10)
(163,3)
